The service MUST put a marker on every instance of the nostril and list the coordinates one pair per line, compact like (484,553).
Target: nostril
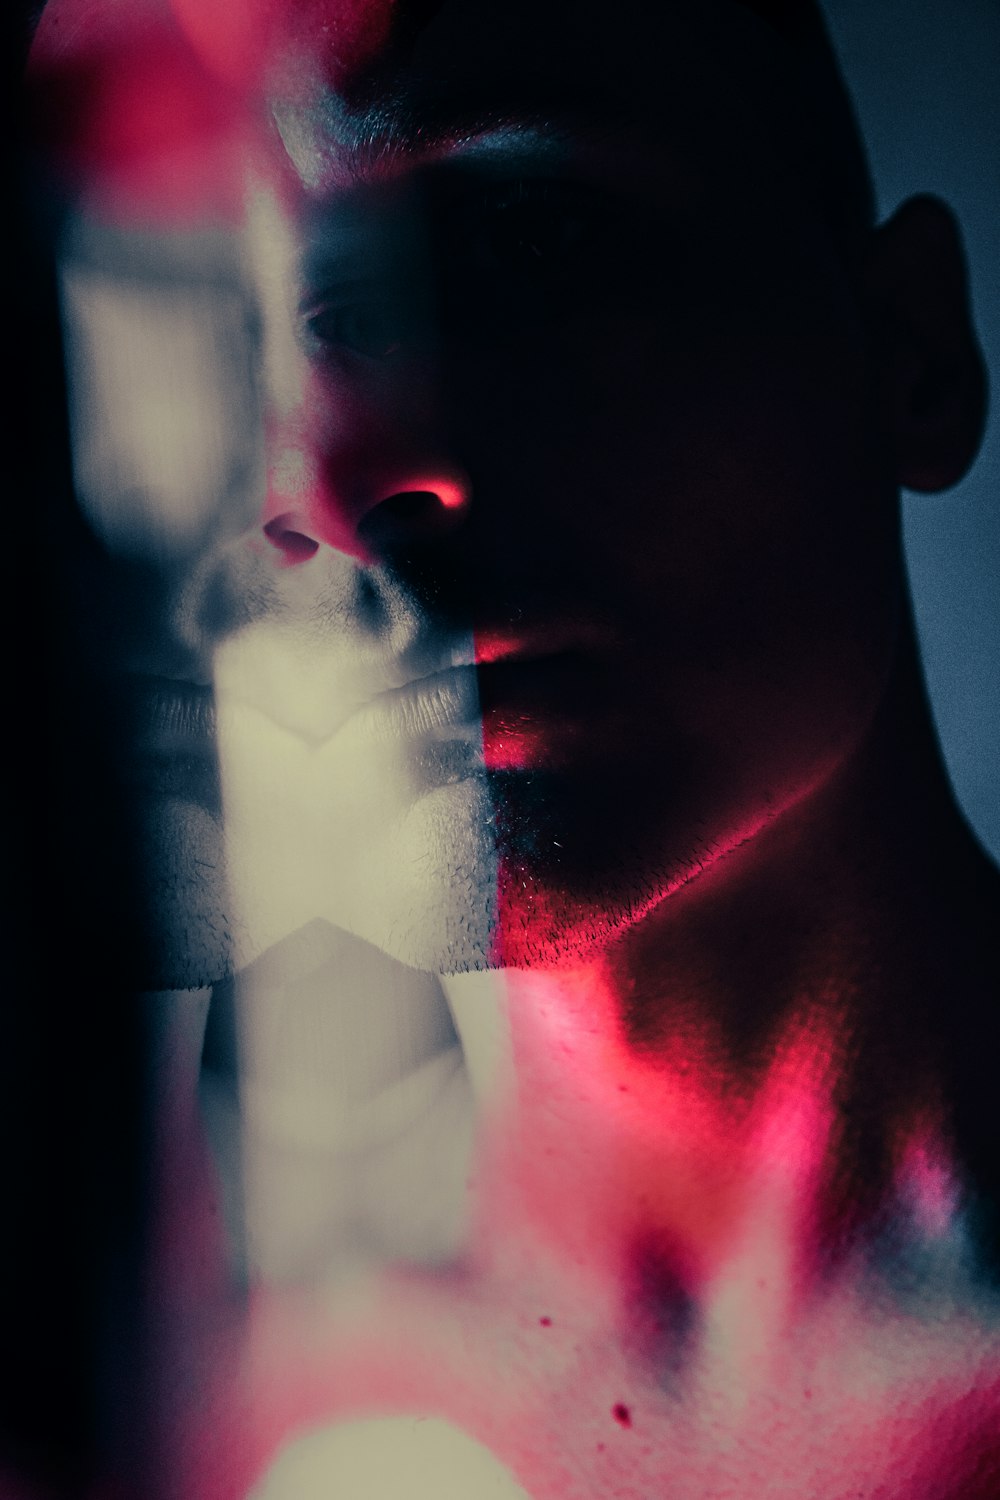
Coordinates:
(410,515)
(294,546)
(360,513)
(412,505)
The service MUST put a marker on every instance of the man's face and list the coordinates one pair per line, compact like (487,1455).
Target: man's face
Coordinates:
(581,560)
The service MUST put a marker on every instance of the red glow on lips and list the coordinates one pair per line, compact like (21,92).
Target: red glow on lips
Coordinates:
(496,645)
(533,687)
(513,737)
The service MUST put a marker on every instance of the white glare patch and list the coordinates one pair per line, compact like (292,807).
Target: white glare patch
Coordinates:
(356,1117)
(164,420)
(419,1458)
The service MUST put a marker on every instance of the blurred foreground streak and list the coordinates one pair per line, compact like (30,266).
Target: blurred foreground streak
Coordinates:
(533,1052)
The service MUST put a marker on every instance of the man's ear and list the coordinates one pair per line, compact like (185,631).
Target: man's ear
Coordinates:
(931,373)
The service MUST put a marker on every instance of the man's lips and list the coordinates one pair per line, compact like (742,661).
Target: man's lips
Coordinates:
(450,701)
(439,701)
(521,686)
(166,717)
(434,690)
(166,739)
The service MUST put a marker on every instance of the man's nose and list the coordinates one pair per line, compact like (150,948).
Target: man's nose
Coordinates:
(364,488)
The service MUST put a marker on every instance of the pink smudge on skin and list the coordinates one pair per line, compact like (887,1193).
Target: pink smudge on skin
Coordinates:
(928,1179)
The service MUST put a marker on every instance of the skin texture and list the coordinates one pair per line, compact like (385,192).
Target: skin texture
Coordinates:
(578,375)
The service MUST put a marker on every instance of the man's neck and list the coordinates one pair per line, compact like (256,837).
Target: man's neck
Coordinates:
(809,1013)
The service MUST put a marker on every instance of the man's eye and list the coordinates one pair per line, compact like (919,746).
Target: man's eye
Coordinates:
(374,329)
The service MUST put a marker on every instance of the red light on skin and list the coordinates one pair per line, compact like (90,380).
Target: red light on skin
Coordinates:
(926,1177)
(495,646)
(609,1144)
(587,1163)
(130,117)
(451,496)
(533,700)
(233,40)
(512,743)
(239,40)
(513,737)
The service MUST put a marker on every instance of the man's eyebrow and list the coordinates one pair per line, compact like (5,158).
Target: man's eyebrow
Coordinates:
(333,147)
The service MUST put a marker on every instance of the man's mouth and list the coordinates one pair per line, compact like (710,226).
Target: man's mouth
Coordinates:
(440,689)
(522,686)
(168,743)
(427,706)
(170,717)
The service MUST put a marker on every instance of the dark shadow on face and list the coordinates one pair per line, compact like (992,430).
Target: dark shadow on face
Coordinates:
(640,338)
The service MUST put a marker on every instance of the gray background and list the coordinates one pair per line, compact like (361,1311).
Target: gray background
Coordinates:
(925,75)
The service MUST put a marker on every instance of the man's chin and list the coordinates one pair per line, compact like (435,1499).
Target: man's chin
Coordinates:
(430,888)
(416,879)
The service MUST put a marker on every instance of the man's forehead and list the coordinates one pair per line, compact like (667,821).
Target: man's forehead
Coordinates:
(360,86)
(480,75)
(525,36)
(163,103)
